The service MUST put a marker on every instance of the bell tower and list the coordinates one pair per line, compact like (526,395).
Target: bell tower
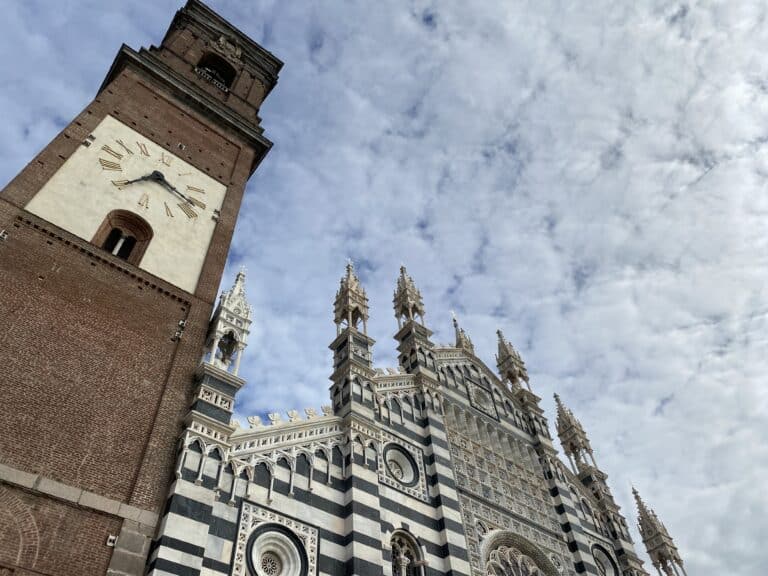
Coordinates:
(114,241)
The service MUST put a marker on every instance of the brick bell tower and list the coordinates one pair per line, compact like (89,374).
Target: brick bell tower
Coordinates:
(113,243)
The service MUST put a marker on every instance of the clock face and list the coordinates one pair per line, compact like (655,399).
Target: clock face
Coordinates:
(154,178)
(118,168)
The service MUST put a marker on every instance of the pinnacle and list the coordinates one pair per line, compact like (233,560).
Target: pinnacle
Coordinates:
(407,298)
(462,338)
(641,507)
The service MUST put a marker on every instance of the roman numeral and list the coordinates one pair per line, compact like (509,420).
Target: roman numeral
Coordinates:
(110,165)
(144,200)
(196,202)
(195,189)
(187,209)
(165,159)
(120,183)
(124,147)
(142,148)
(168,210)
(111,152)
(185,173)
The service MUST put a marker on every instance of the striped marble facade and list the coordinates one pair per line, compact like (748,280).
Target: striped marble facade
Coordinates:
(482,468)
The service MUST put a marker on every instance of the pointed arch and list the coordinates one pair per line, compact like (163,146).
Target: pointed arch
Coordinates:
(502,549)
(407,407)
(371,454)
(395,408)
(407,554)
(215,452)
(196,444)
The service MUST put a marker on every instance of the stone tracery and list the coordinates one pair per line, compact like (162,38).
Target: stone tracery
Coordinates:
(509,561)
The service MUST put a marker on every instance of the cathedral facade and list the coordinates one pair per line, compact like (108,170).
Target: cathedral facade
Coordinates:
(439,466)
(118,451)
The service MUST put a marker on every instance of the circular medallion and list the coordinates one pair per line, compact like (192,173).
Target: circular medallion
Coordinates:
(274,550)
(401,465)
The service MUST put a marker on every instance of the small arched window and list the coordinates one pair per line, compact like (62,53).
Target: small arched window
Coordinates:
(406,556)
(217,71)
(125,235)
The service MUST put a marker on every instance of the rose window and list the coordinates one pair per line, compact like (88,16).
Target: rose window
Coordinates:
(271,564)
(274,550)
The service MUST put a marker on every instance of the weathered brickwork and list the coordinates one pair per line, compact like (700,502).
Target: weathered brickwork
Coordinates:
(47,537)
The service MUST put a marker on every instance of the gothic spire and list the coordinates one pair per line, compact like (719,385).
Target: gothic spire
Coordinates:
(659,544)
(416,349)
(510,363)
(407,299)
(351,305)
(644,515)
(573,437)
(462,338)
(229,327)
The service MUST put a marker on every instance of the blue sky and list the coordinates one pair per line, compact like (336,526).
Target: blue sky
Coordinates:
(588,177)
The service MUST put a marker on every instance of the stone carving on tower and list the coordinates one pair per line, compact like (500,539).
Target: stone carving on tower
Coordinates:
(229,329)
(659,544)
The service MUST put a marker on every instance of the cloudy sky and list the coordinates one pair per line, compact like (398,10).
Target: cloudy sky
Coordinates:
(589,177)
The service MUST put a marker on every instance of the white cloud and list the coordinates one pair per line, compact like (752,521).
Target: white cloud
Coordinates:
(588,177)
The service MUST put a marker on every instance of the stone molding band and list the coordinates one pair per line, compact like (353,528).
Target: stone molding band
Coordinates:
(77,496)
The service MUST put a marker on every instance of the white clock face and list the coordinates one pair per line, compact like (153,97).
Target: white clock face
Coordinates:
(123,170)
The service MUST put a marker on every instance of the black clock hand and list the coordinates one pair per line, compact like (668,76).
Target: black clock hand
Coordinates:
(146,177)
(160,179)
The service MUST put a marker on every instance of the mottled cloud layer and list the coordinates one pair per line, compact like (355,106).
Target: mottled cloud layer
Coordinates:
(589,177)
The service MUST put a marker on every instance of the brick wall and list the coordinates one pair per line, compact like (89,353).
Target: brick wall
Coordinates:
(43,536)
(94,388)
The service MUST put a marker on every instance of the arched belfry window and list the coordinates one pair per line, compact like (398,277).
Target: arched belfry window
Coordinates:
(125,235)
(216,70)
(406,555)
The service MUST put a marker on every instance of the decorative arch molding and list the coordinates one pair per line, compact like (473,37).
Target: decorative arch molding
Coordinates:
(606,565)
(407,554)
(14,513)
(496,539)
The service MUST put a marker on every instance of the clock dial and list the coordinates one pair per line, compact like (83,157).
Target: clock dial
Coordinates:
(117,168)
(142,163)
